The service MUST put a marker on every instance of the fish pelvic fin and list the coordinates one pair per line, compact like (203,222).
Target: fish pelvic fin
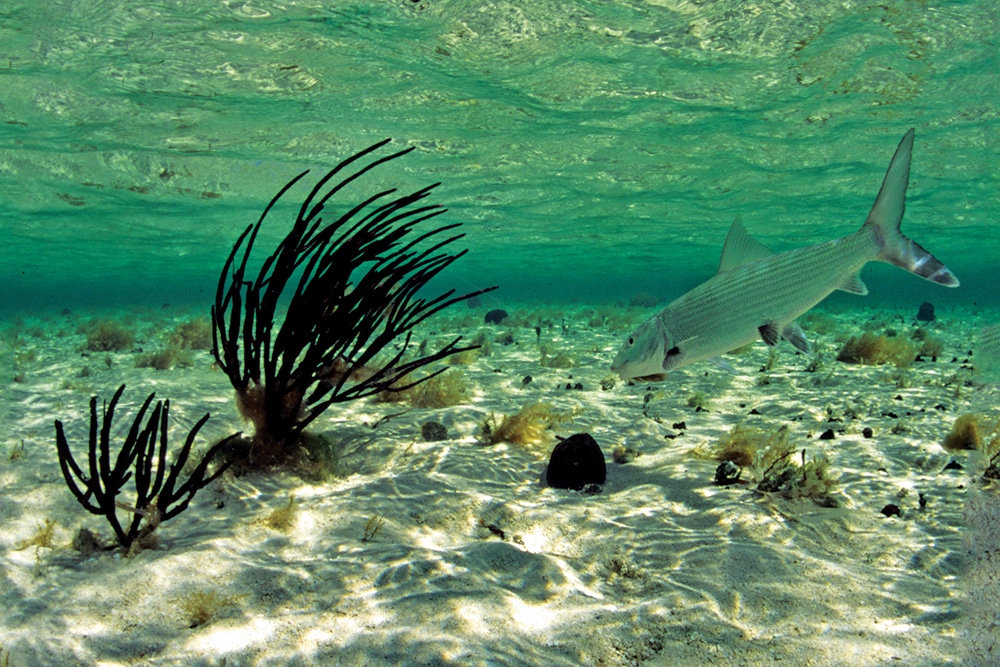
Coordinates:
(886,214)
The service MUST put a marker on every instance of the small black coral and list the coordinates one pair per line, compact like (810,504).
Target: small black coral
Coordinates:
(159,495)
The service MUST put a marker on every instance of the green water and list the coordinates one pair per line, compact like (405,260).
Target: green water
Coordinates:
(592,150)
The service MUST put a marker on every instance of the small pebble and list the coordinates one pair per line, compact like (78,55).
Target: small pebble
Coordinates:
(433,431)
(892,510)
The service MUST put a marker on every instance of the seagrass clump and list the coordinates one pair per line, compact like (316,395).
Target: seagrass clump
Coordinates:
(327,316)
(135,480)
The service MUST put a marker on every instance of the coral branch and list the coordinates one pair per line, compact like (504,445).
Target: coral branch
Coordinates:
(142,458)
(312,327)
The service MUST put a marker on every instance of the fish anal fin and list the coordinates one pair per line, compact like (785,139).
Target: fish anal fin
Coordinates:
(794,334)
(854,284)
(740,248)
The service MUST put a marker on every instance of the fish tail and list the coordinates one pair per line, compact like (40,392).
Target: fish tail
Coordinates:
(886,214)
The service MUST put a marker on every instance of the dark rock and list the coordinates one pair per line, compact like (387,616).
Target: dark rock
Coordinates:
(867,432)
(496,316)
(526,380)
(926,312)
(892,510)
(576,462)
(953,465)
(433,431)
(727,473)
(622,455)
(506,338)
(827,434)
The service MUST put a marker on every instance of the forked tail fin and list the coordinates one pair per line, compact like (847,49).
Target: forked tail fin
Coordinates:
(886,214)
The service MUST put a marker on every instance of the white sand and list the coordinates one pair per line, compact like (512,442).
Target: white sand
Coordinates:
(661,568)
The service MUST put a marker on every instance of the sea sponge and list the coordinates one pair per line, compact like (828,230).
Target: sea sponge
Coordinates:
(874,350)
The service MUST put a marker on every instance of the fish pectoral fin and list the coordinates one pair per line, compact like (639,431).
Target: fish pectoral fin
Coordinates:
(854,284)
(794,334)
(672,358)
(770,333)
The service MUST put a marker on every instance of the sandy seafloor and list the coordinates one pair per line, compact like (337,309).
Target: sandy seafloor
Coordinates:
(660,568)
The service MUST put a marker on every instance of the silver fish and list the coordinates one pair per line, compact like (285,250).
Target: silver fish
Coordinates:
(757,293)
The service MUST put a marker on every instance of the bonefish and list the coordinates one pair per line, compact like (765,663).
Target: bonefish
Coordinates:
(757,293)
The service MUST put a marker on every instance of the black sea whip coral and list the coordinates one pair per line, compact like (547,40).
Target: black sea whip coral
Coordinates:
(159,495)
(345,291)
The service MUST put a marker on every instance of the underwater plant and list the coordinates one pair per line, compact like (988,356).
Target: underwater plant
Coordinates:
(200,606)
(964,433)
(107,336)
(529,426)
(311,328)
(971,431)
(193,334)
(875,350)
(812,479)
(743,444)
(437,391)
(158,494)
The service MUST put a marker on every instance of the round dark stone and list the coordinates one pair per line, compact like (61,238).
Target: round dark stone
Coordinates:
(867,432)
(926,312)
(433,431)
(496,316)
(892,510)
(576,462)
(727,473)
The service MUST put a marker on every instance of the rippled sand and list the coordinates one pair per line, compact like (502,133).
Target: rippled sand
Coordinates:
(477,563)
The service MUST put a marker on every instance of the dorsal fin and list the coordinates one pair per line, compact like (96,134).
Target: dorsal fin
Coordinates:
(740,248)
